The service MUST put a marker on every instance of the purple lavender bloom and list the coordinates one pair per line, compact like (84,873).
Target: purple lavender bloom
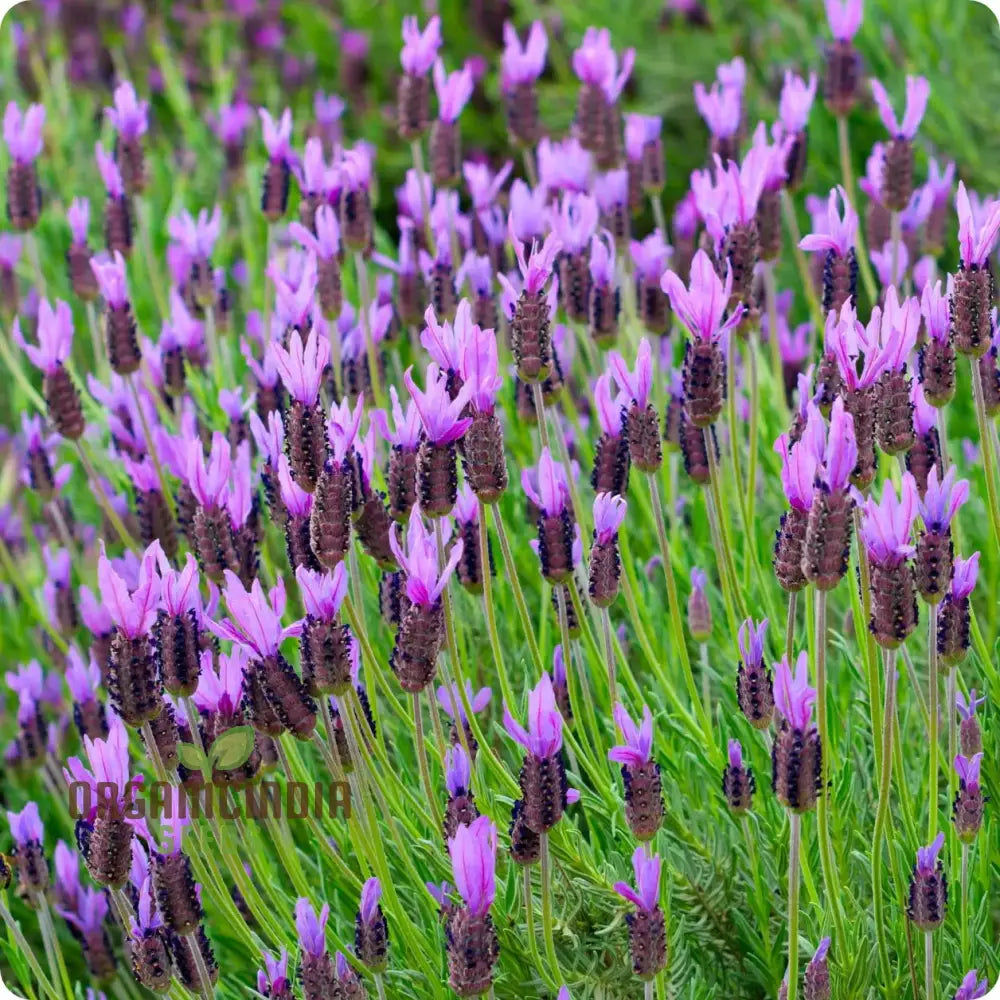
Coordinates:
(108,776)
(964,575)
(637,383)
(940,181)
(976,238)
(82,679)
(935,310)
(322,593)
(646,895)
(424,581)
(473,852)
(453,91)
(844,17)
(943,498)
(967,709)
(55,337)
(595,63)
(480,368)
(311,928)
(231,122)
(971,988)
(439,413)
(26,826)
(551,494)
(406,426)
(457,771)
(917,92)
(111,279)
(371,893)
(522,65)
(602,260)
(301,365)
(197,236)
(611,190)
(528,210)
(927,856)
(128,116)
(735,753)
(967,769)
(297,502)
(703,304)
(484,186)
(886,526)
(638,746)
(609,512)
(255,618)
(798,471)
(110,174)
(640,130)
(23,132)
(273,980)
(720,107)
(793,696)
(27,683)
(209,482)
(751,642)
(451,701)
(564,165)
(277,135)
(884,260)
(796,102)
(543,737)
(841,228)
(609,408)
(650,256)
(135,612)
(78,217)
(420,48)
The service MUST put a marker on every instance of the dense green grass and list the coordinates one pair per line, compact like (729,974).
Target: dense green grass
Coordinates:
(724,893)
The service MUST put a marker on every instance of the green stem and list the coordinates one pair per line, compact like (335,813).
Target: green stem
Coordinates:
(57,964)
(609,655)
(751,495)
(932,736)
(774,347)
(882,812)
(950,685)
(547,925)
(805,279)
(543,430)
(425,772)
(491,616)
(26,950)
(794,846)
(868,641)
(929,965)
(790,625)
(965,906)
(151,446)
(418,164)
(112,515)
(827,858)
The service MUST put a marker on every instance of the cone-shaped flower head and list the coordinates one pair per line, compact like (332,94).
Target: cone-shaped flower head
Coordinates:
(311,928)
(551,494)
(637,748)
(424,582)
(917,92)
(133,612)
(473,852)
(886,526)
(111,279)
(646,894)
(596,63)
(793,696)
(277,135)
(273,980)
(543,737)
(734,751)
(702,304)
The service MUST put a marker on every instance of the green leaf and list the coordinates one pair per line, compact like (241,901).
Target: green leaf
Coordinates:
(232,749)
(191,757)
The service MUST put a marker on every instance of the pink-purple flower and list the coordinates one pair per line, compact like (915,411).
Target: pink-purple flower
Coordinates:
(844,17)
(637,748)
(522,64)
(132,612)
(22,132)
(439,413)
(793,696)
(917,92)
(473,852)
(702,305)
(55,336)
(976,237)
(311,928)
(546,486)
(420,48)
(424,581)
(254,618)
(453,91)
(543,737)
(942,499)
(646,894)
(886,526)
(322,593)
(841,227)
(609,512)
(596,63)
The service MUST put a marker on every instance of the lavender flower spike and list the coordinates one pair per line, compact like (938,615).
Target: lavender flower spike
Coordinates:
(646,895)
(972,988)
(917,92)
(793,696)
(543,737)
(638,746)
(473,852)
